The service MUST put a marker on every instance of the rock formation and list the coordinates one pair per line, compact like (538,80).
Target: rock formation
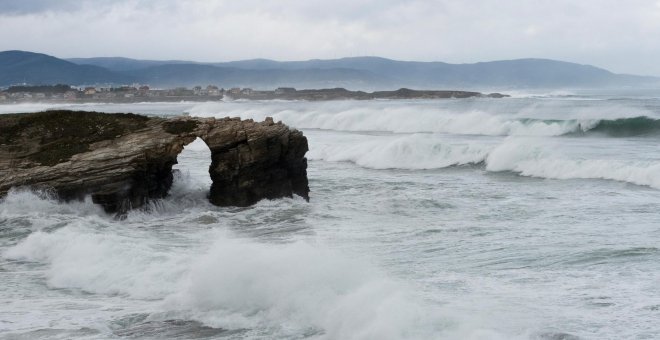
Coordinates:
(123,160)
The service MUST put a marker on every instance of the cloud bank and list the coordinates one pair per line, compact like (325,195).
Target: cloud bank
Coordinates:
(620,36)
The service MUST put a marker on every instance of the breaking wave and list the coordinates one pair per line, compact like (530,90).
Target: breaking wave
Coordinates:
(626,127)
(532,160)
(610,121)
(524,156)
(414,152)
(231,283)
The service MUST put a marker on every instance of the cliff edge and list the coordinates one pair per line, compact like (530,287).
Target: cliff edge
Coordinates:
(123,160)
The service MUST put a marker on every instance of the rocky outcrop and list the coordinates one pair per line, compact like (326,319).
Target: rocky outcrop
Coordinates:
(123,160)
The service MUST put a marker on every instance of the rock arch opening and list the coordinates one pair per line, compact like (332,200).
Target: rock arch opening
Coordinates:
(191,173)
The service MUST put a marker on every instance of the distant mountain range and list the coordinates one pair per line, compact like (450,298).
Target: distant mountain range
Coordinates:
(368,73)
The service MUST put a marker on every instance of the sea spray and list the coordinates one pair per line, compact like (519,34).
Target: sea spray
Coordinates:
(419,151)
(403,120)
(42,203)
(235,283)
(527,159)
(459,253)
(77,256)
(299,285)
(463,117)
(527,156)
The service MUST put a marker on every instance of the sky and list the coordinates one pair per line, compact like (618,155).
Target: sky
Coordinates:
(621,36)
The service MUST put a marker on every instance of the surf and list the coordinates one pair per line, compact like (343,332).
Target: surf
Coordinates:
(530,157)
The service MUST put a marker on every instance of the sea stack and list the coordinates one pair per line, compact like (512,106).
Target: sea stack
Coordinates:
(124,160)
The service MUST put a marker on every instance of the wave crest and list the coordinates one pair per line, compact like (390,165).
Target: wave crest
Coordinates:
(288,289)
(626,127)
(418,118)
(419,151)
(525,156)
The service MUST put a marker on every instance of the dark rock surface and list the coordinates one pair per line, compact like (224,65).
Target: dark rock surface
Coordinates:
(123,160)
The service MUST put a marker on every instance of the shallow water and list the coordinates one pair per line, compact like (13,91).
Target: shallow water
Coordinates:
(456,219)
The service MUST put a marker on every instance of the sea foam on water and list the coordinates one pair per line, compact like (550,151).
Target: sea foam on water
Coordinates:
(427,220)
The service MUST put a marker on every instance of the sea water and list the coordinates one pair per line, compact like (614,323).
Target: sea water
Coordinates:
(532,217)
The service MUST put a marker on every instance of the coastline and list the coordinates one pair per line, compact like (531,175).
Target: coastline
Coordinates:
(132,95)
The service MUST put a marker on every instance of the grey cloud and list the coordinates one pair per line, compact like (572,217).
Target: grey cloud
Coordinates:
(608,33)
(20,7)
(26,7)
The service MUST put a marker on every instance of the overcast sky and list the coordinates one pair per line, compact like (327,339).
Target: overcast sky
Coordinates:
(622,36)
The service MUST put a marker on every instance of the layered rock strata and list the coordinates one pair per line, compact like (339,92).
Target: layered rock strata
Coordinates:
(124,160)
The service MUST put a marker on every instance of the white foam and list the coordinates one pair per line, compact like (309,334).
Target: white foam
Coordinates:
(527,156)
(287,288)
(78,257)
(505,117)
(492,118)
(419,151)
(399,119)
(39,204)
(531,158)
(192,168)
(296,285)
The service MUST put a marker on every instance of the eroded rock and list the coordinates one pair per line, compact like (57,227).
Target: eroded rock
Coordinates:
(123,160)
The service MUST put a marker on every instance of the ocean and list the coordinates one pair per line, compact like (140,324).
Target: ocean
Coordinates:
(530,217)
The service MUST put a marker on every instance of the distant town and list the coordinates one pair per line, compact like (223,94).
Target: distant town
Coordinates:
(143,93)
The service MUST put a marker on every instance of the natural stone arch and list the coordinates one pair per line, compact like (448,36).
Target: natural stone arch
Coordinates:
(132,164)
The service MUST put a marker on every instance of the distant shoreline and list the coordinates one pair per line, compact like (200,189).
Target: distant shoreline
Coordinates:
(64,94)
